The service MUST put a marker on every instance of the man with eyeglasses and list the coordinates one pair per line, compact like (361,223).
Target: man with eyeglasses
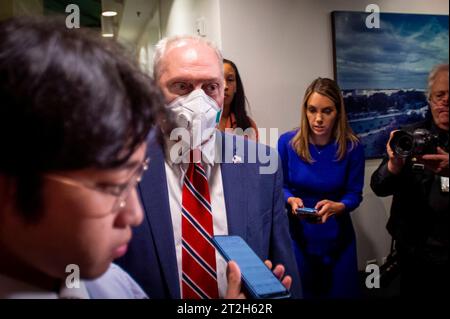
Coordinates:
(74,118)
(419,221)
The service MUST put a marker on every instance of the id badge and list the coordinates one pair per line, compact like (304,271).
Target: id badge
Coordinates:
(444,184)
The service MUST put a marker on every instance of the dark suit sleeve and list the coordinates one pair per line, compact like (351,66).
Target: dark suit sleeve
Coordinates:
(281,247)
(383,182)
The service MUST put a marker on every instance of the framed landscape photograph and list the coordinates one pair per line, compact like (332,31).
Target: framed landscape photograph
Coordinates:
(383,71)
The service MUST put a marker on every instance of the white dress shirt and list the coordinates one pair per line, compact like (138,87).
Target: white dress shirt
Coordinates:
(175,171)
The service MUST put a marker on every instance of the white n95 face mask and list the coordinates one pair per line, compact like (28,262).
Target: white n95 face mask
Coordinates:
(198,113)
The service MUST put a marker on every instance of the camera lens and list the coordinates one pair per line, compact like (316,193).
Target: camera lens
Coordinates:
(402,143)
(405,144)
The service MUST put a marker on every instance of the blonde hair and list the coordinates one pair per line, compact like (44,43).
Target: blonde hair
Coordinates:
(342,132)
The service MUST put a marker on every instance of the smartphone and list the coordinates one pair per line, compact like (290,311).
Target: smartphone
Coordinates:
(309,214)
(259,280)
(306,211)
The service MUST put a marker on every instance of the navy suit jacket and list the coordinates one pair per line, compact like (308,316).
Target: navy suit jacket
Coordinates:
(255,211)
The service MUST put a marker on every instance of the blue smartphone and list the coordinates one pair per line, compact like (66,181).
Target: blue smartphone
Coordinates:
(259,280)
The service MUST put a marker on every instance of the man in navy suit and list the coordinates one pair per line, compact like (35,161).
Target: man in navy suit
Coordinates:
(246,194)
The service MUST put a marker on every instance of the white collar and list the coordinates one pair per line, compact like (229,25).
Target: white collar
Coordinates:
(178,153)
(11,288)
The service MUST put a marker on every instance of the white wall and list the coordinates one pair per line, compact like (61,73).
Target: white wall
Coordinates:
(146,44)
(178,17)
(280,46)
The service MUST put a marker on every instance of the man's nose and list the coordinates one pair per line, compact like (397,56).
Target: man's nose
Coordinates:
(445,100)
(131,214)
(198,86)
(135,208)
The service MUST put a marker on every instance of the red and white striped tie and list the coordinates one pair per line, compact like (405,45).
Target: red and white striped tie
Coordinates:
(199,277)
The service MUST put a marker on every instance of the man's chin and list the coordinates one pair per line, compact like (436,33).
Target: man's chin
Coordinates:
(93,272)
(443,125)
(443,120)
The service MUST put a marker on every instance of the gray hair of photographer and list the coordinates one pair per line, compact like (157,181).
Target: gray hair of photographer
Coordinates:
(427,143)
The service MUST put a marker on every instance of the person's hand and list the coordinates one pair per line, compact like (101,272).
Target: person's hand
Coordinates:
(279,272)
(234,289)
(326,208)
(295,203)
(437,163)
(395,163)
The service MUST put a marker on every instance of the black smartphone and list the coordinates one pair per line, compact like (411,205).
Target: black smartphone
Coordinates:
(306,211)
(259,280)
(309,214)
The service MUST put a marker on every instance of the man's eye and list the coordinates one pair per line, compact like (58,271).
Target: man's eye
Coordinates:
(180,87)
(211,88)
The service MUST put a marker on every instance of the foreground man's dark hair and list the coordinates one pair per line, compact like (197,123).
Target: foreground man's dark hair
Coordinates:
(68,100)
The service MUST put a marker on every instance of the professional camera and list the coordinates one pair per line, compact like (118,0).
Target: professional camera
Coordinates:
(421,141)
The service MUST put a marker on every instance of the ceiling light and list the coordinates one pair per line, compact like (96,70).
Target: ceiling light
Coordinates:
(109,13)
(109,8)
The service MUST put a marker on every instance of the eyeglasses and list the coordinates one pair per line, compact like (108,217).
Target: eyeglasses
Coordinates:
(111,196)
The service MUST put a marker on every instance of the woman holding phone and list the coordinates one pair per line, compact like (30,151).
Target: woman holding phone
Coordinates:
(323,165)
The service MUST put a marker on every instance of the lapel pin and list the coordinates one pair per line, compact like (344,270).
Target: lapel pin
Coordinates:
(237,159)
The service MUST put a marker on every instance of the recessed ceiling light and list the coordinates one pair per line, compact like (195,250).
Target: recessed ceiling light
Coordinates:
(109,13)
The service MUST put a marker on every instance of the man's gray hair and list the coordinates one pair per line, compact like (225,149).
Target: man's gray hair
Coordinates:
(164,44)
(433,74)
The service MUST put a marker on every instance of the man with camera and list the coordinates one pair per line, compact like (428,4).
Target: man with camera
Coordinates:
(416,173)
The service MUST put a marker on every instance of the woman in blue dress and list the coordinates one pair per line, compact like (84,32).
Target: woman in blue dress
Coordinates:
(323,165)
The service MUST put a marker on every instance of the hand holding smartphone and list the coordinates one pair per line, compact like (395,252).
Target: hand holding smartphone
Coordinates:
(306,210)
(309,214)
(259,280)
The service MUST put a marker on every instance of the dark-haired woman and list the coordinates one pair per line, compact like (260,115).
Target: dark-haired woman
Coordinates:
(234,113)
(323,166)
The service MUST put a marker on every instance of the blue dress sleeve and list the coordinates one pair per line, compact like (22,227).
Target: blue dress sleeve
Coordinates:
(355,179)
(283,145)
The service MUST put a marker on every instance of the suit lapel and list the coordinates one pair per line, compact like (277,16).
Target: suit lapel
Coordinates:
(234,188)
(155,199)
